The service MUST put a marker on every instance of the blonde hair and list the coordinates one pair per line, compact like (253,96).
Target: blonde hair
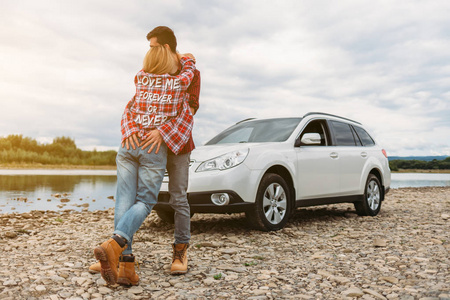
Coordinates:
(159,60)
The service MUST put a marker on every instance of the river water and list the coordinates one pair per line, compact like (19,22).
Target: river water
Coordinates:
(27,190)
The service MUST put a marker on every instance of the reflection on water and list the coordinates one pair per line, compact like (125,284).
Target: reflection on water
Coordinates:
(27,190)
(67,184)
(23,193)
(419,180)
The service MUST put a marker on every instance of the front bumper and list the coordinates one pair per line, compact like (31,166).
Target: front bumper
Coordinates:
(201,203)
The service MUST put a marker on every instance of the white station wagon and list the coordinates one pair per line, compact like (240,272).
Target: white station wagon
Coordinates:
(268,167)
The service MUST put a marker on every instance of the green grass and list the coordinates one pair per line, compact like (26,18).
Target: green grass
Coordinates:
(259,257)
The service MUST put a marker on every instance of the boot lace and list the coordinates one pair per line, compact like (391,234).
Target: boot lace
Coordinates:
(178,255)
(136,264)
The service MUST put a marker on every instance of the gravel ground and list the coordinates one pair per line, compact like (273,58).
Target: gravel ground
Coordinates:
(325,252)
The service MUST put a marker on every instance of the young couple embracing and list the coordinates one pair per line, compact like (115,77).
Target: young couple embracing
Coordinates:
(147,150)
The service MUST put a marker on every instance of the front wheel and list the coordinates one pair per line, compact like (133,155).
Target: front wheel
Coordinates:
(272,204)
(373,195)
(168,215)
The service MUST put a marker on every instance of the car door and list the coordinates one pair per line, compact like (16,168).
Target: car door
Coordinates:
(351,157)
(317,166)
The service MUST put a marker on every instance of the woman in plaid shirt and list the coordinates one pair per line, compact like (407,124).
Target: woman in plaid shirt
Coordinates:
(159,102)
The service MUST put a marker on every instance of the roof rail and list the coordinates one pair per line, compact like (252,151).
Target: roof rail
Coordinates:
(325,114)
(245,120)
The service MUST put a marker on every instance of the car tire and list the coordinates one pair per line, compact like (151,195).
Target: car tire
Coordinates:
(168,215)
(373,195)
(272,204)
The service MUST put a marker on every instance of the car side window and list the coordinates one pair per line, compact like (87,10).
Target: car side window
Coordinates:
(317,126)
(356,137)
(343,134)
(364,136)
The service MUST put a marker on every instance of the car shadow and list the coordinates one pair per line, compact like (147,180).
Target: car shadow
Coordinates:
(238,224)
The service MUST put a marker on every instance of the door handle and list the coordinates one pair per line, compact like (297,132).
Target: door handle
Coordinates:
(334,155)
(364,154)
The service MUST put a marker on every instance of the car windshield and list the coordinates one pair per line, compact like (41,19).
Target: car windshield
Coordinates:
(257,131)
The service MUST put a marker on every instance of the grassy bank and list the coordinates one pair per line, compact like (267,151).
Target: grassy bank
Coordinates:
(54,167)
(421,171)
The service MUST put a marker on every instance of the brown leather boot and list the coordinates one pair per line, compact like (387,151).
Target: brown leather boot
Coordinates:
(127,274)
(95,268)
(108,254)
(179,260)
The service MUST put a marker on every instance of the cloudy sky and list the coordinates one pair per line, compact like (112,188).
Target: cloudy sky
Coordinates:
(67,67)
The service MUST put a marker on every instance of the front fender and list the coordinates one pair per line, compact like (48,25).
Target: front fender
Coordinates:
(265,160)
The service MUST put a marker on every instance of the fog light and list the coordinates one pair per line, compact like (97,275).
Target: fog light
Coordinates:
(220,199)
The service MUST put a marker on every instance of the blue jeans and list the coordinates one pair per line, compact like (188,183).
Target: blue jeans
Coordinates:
(178,169)
(139,178)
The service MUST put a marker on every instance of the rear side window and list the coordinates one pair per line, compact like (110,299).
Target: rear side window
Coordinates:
(364,137)
(343,134)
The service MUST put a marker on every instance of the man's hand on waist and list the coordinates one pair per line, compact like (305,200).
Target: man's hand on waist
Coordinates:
(152,138)
(133,140)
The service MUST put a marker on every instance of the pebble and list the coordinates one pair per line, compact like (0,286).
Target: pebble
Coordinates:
(380,243)
(136,290)
(353,292)
(323,252)
(40,288)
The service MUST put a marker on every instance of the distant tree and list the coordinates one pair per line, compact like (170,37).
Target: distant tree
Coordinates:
(63,150)
(66,142)
(15,140)
(5,144)
(393,165)
(434,164)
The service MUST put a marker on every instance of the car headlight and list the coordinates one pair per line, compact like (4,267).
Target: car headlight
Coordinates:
(224,162)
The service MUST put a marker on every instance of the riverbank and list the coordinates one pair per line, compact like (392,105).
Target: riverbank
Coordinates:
(421,171)
(54,167)
(325,252)
(13,166)
(88,167)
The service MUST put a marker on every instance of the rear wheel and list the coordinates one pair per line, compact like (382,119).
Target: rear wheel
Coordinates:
(373,194)
(272,204)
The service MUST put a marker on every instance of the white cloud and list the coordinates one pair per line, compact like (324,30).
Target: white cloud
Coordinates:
(68,67)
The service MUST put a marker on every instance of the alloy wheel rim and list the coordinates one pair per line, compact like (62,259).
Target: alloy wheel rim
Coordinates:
(274,203)
(373,195)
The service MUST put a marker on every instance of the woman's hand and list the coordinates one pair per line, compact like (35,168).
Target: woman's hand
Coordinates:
(189,55)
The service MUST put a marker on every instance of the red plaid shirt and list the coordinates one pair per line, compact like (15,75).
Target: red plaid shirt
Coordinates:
(160,103)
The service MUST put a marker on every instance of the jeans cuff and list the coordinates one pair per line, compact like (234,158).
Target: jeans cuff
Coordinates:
(123,234)
(126,252)
(182,241)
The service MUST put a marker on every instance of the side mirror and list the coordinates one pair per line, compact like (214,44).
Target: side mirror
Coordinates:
(310,139)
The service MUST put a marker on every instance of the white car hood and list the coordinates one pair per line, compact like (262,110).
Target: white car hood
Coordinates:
(203,153)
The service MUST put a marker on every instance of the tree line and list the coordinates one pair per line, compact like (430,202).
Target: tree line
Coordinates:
(16,149)
(434,164)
